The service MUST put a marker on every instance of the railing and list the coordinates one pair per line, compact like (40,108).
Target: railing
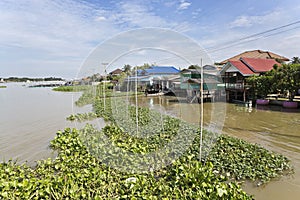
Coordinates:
(237,86)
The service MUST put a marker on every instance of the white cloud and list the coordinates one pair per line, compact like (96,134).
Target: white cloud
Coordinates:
(248,21)
(45,25)
(242,21)
(138,15)
(291,42)
(59,34)
(196,12)
(47,31)
(184,5)
(100,18)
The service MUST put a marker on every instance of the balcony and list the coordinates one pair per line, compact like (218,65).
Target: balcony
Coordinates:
(236,86)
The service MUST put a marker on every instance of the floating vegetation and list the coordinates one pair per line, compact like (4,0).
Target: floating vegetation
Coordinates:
(247,161)
(241,159)
(3,86)
(93,93)
(86,166)
(69,88)
(75,174)
(82,117)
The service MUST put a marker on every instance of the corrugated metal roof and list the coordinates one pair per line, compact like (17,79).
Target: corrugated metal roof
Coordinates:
(159,70)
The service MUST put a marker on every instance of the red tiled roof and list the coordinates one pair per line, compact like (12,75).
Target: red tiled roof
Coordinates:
(258,65)
(250,66)
(241,67)
(256,54)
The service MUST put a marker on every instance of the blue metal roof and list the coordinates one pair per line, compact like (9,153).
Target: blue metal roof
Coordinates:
(159,70)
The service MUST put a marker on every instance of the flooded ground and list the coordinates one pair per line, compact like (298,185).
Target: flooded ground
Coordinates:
(30,117)
(272,127)
(278,131)
(29,120)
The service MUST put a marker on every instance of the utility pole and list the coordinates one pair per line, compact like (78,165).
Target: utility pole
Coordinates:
(104,64)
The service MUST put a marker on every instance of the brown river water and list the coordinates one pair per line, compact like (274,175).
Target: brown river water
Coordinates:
(30,117)
(271,127)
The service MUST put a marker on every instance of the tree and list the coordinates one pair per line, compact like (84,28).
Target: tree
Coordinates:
(284,79)
(295,60)
(291,79)
(145,66)
(127,69)
(142,67)
(194,67)
(261,85)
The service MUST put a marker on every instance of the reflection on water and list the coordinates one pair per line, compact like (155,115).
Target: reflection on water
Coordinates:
(274,128)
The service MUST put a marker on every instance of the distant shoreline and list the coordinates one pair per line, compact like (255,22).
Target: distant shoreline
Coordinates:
(27,79)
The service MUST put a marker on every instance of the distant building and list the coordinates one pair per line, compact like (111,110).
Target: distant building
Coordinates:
(161,77)
(191,78)
(191,82)
(158,71)
(116,72)
(154,77)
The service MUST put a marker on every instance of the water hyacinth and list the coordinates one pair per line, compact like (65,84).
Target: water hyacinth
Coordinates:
(86,166)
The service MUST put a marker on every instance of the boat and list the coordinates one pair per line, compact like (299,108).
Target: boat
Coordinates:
(262,101)
(290,104)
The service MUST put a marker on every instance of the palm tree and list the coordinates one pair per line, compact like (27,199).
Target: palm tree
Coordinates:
(127,69)
(295,60)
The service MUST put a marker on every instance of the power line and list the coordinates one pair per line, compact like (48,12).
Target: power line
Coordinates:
(260,33)
(242,40)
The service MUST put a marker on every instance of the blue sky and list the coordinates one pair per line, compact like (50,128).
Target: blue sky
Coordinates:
(54,37)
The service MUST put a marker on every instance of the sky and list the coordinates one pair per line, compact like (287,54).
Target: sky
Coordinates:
(62,38)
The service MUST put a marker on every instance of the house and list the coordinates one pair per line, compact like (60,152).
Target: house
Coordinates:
(235,72)
(158,71)
(155,78)
(191,77)
(167,81)
(116,72)
(256,54)
(191,81)
(158,75)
